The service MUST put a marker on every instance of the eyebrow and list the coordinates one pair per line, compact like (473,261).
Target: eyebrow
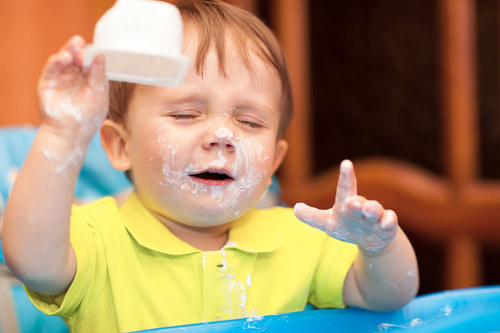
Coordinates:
(183,98)
(253,105)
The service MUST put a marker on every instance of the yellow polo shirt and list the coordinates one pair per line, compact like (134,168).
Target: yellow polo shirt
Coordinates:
(134,274)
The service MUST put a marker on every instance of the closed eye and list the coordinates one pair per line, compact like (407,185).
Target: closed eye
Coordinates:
(183,116)
(251,124)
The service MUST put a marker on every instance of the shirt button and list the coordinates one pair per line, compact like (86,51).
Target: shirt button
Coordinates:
(221,267)
(217,317)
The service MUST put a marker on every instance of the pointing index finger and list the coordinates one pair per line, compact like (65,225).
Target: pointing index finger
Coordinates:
(346,186)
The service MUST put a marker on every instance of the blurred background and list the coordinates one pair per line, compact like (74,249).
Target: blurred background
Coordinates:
(409,90)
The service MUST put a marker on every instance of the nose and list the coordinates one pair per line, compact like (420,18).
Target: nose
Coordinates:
(221,138)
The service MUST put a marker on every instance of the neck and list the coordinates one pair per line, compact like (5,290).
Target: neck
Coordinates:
(204,239)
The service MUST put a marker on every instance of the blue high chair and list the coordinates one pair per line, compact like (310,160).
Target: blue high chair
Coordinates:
(97,179)
(474,310)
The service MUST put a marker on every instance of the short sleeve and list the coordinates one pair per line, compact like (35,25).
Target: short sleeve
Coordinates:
(90,274)
(328,284)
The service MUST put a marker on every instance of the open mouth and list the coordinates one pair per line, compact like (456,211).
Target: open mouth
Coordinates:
(212,175)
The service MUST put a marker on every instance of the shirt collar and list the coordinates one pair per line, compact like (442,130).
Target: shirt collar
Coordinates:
(255,231)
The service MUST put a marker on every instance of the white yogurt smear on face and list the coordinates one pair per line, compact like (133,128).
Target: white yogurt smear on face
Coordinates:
(224,133)
(243,167)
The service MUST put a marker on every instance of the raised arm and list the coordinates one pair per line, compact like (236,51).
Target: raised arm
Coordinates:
(73,102)
(384,275)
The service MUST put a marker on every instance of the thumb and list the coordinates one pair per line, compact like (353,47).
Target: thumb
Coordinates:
(316,218)
(97,78)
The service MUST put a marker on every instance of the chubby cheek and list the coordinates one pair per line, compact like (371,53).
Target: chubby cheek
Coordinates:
(165,156)
(252,164)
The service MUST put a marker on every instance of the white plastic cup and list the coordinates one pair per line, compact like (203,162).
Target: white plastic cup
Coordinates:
(142,41)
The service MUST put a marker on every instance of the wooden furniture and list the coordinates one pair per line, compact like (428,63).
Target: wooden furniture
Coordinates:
(458,209)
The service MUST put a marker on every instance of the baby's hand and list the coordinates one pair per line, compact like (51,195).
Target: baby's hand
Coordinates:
(352,218)
(73,99)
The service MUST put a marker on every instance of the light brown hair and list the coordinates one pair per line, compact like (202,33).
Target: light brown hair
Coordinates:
(214,22)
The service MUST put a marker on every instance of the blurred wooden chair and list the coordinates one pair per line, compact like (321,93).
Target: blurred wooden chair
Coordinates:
(457,209)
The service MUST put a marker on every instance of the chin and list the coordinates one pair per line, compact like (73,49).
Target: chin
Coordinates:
(211,216)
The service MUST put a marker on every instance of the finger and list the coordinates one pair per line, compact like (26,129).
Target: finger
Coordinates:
(389,220)
(346,186)
(56,64)
(316,218)
(73,45)
(67,56)
(372,211)
(97,78)
(355,206)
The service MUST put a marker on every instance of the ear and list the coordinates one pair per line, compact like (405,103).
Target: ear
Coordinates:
(279,156)
(114,141)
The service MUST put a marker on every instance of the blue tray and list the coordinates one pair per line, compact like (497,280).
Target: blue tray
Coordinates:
(463,310)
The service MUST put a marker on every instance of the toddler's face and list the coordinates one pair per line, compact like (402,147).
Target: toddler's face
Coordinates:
(203,153)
